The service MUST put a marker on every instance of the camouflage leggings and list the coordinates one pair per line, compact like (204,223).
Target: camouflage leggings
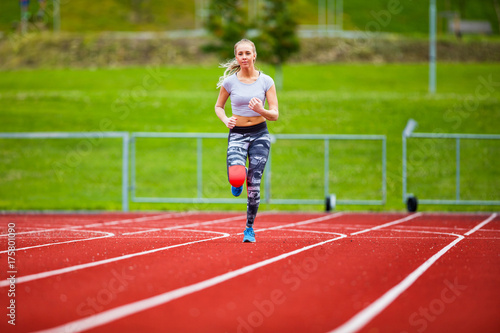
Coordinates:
(253,142)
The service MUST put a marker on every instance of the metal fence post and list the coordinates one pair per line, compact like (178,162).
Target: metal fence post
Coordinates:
(458,169)
(132,167)
(432,47)
(57,15)
(267,179)
(407,132)
(404,168)
(199,167)
(327,167)
(384,170)
(125,172)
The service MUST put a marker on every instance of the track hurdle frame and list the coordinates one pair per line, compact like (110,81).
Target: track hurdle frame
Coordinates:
(410,199)
(330,199)
(86,135)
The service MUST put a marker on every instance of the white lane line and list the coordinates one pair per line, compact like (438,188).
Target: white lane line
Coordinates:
(313,231)
(480,225)
(195,224)
(140,232)
(405,219)
(138,219)
(106,235)
(315,220)
(108,316)
(444,229)
(206,231)
(64,270)
(367,314)
(363,317)
(484,238)
(319,219)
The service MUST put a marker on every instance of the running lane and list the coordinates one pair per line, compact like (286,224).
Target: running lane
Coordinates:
(460,293)
(81,293)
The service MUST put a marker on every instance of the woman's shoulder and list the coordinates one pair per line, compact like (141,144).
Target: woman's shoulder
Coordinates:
(228,82)
(230,78)
(265,76)
(268,81)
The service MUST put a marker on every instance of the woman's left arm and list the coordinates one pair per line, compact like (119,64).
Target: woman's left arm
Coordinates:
(272,100)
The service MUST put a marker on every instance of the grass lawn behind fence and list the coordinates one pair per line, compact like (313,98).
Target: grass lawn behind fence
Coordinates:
(316,99)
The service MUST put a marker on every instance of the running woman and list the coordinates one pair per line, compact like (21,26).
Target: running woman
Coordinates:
(248,135)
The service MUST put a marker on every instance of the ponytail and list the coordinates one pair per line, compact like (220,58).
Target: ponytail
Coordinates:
(231,66)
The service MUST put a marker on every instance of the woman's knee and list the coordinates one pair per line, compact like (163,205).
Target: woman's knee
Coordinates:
(237,175)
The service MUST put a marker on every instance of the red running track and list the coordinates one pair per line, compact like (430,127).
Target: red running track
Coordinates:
(189,272)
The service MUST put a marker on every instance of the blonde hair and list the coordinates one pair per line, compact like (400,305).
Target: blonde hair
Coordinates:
(232,66)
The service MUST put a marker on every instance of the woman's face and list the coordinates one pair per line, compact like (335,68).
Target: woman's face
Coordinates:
(245,55)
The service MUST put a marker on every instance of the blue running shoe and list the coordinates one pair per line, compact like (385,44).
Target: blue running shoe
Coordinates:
(249,236)
(236,191)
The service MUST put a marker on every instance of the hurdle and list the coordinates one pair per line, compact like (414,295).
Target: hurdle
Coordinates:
(86,135)
(410,199)
(329,201)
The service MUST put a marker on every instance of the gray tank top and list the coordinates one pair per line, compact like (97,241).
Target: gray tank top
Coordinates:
(241,93)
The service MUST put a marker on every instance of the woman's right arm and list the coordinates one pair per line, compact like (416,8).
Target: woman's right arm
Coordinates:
(219,109)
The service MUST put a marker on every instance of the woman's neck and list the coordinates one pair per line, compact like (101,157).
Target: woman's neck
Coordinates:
(247,72)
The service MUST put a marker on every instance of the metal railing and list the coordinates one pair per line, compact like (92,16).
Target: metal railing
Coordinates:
(330,199)
(129,167)
(85,135)
(408,133)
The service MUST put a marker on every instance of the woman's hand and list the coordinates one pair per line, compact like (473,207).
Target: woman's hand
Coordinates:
(231,122)
(256,105)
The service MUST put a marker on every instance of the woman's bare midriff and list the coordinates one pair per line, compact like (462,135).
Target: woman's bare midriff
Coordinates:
(248,121)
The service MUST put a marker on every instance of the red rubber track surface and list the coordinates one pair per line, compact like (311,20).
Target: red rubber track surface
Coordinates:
(190,272)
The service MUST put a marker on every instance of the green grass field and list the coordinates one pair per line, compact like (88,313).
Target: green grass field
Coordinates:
(316,99)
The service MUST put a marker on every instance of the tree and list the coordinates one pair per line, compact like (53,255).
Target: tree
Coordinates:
(227,22)
(277,39)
